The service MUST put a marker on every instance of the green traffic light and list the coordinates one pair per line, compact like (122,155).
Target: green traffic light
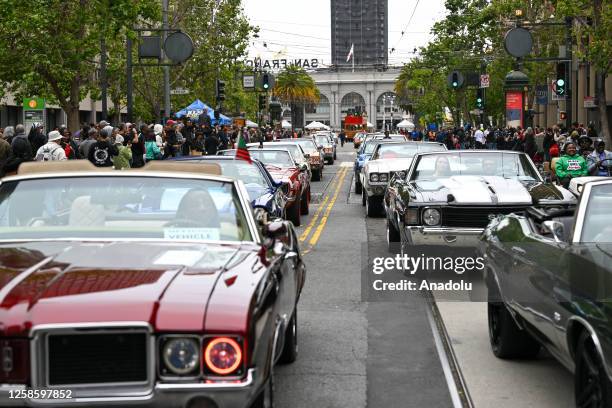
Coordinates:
(455,84)
(560,82)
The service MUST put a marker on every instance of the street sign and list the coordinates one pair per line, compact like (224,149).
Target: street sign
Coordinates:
(476,112)
(590,102)
(553,88)
(33,103)
(541,94)
(248,81)
(179,91)
(484,81)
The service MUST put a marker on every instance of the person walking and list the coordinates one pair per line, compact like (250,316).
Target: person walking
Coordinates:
(123,159)
(52,150)
(342,138)
(102,152)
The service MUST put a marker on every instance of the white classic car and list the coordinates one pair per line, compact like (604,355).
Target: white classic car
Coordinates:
(387,160)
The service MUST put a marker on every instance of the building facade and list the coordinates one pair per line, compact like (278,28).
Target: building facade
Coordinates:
(361,24)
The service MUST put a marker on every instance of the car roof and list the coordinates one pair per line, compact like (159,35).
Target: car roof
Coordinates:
(483,151)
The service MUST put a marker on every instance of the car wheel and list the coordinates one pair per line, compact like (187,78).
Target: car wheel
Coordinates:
(363,197)
(305,202)
(393,236)
(293,214)
(592,386)
(316,175)
(290,348)
(373,205)
(507,340)
(357,186)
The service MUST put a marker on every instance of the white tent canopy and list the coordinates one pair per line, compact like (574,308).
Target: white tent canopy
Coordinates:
(405,124)
(316,125)
(251,124)
(285,124)
(369,125)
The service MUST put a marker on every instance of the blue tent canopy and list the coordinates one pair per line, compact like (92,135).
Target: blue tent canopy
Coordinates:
(196,108)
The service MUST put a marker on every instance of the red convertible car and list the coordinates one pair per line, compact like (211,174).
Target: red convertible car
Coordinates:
(157,288)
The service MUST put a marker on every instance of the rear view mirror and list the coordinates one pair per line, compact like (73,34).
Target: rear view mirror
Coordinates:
(556,228)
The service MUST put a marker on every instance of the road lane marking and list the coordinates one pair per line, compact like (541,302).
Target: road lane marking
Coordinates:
(314,219)
(317,234)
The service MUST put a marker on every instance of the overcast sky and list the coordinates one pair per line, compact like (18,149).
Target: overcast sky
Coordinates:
(302,28)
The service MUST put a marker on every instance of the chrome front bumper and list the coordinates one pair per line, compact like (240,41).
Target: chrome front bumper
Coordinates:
(460,237)
(164,395)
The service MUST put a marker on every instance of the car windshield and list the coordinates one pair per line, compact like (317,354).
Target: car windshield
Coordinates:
(597,226)
(369,147)
(322,140)
(278,158)
(132,207)
(307,145)
(241,170)
(405,150)
(507,165)
(294,149)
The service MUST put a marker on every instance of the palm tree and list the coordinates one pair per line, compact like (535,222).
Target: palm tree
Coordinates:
(295,87)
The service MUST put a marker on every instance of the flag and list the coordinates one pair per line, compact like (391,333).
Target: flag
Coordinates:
(350,53)
(242,153)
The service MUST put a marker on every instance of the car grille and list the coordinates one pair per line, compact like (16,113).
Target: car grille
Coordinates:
(473,217)
(97,358)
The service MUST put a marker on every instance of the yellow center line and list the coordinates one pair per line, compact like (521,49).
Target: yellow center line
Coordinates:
(315,237)
(314,219)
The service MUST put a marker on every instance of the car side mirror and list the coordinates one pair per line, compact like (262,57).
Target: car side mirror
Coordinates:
(261,216)
(276,231)
(556,228)
(303,167)
(307,155)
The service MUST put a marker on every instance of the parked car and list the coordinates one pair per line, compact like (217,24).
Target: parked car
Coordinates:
(296,151)
(363,155)
(155,287)
(387,160)
(448,198)
(264,191)
(294,178)
(549,280)
(324,142)
(309,147)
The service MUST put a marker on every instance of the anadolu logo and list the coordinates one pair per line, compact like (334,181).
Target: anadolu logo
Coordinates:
(32,103)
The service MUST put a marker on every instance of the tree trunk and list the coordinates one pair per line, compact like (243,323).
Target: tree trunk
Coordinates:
(293,108)
(602,108)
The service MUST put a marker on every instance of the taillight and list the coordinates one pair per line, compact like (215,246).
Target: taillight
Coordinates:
(223,356)
(15,359)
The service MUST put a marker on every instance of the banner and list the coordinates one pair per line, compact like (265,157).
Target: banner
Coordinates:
(514,108)
(541,94)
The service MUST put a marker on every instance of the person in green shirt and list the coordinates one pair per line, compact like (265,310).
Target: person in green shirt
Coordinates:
(122,160)
(570,165)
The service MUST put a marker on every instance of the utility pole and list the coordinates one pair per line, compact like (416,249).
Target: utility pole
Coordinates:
(568,48)
(129,80)
(104,82)
(166,68)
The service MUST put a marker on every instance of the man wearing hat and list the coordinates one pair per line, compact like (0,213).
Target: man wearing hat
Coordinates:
(570,165)
(52,150)
(600,161)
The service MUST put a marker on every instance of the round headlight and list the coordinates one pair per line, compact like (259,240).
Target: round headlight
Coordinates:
(374,177)
(223,355)
(431,216)
(181,356)
(384,177)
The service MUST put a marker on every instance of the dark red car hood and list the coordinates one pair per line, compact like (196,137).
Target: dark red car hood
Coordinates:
(168,285)
(282,173)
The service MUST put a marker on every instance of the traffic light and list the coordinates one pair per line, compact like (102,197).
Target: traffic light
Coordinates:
(220,90)
(480,98)
(560,85)
(455,80)
(265,82)
(262,102)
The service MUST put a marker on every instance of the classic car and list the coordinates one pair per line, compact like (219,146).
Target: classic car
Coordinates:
(549,280)
(294,178)
(314,156)
(156,288)
(296,151)
(264,191)
(387,160)
(326,145)
(448,198)
(363,155)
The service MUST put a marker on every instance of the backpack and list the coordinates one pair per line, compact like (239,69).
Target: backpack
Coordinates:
(47,154)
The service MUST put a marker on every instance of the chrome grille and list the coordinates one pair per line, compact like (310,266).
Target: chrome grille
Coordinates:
(473,217)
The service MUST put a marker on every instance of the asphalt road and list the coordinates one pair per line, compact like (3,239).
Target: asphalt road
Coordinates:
(385,353)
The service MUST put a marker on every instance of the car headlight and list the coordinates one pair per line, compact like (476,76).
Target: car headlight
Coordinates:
(374,177)
(223,355)
(384,177)
(431,217)
(181,355)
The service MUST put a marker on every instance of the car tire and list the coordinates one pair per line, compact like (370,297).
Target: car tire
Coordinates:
(305,202)
(393,236)
(358,186)
(290,348)
(373,206)
(316,175)
(592,386)
(508,341)
(363,197)
(293,213)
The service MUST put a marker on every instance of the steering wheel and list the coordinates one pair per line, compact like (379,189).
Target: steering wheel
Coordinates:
(607,167)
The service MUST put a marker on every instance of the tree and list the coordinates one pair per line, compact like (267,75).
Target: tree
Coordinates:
(50,48)
(295,87)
